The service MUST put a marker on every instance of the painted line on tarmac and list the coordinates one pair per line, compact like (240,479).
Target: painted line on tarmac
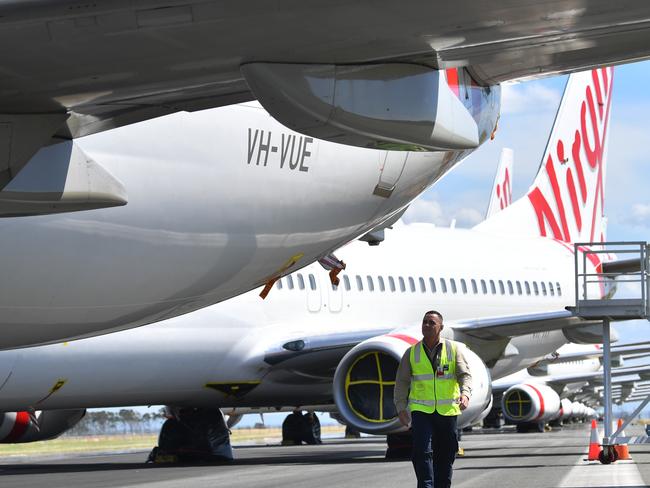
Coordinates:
(593,474)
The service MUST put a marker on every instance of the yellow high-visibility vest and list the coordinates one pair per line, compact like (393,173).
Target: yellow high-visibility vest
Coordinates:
(434,391)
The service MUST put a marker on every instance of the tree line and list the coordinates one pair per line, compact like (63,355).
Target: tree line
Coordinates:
(125,421)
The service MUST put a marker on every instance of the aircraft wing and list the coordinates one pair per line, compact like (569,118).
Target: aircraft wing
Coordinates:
(107,63)
(515,325)
(317,356)
(643,372)
(630,350)
(622,266)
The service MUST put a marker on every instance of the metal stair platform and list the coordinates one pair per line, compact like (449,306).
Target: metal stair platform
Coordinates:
(597,278)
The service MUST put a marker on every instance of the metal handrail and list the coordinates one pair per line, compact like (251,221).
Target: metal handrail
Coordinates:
(583,278)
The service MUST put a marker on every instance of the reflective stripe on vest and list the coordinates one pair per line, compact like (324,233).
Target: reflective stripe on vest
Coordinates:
(434,391)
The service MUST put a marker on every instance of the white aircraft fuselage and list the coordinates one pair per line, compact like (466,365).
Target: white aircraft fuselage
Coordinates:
(219,202)
(184,360)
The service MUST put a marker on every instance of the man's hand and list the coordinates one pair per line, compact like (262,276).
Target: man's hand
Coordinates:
(464,402)
(405,418)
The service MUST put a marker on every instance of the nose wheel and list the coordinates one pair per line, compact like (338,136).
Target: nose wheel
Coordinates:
(608,455)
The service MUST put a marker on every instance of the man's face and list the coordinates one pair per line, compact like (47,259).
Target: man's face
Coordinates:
(431,327)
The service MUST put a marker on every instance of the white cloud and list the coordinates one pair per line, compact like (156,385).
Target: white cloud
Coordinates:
(468,217)
(425,211)
(527,97)
(431,211)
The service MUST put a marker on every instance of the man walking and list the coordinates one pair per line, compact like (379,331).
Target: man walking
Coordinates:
(432,387)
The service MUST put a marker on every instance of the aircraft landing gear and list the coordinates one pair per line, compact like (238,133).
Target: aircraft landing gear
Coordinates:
(193,435)
(531,427)
(298,428)
(399,446)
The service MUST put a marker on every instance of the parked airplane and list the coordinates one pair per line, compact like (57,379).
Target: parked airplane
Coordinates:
(80,68)
(503,294)
(532,397)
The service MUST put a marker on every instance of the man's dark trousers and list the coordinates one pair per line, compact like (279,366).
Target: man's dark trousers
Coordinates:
(435,444)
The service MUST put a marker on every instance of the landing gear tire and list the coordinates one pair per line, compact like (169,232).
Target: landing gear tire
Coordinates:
(608,455)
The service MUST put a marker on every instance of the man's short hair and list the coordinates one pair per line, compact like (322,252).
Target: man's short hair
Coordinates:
(434,312)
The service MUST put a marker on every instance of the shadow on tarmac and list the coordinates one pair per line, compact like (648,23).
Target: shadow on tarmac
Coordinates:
(317,458)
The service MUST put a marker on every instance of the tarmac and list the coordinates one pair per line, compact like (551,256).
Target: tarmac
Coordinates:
(501,459)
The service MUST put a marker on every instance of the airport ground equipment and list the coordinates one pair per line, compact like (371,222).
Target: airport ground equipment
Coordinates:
(593,302)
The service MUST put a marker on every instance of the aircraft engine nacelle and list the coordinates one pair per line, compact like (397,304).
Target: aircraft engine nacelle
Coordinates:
(566,409)
(530,402)
(364,379)
(582,411)
(20,427)
(394,106)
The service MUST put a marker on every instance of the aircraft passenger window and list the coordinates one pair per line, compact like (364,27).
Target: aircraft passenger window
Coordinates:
(359,283)
(550,287)
(543,288)
(559,290)
(301,281)
(452,282)
(432,285)
(278,284)
(290,282)
(518,288)
(484,287)
(443,285)
(527,288)
(391,283)
(346,282)
(535,288)
(382,287)
(423,287)
(463,286)
(312,282)
(412,284)
(511,290)
(402,286)
(493,288)
(474,287)
(371,285)
(502,288)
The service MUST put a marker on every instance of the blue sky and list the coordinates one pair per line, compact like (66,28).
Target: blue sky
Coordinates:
(528,111)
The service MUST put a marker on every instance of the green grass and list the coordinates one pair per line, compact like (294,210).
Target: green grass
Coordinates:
(108,443)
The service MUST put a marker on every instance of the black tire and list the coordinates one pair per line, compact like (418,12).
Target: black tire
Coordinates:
(608,455)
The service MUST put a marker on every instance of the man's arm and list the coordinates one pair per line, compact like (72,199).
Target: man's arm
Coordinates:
(463,377)
(402,388)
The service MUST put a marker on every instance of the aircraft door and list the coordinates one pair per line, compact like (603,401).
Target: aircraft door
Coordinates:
(313,294)
(335,297)
(391,170)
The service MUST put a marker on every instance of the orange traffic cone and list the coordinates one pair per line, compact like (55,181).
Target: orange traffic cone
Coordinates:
(594,444)
(622,449)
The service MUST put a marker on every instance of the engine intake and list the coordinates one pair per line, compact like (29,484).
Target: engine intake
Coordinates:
(365,377)
(530,403)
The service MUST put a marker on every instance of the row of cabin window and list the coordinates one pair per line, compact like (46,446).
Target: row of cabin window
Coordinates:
(504,288)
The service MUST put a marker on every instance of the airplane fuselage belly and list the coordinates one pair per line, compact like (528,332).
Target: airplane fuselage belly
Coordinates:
(193,359)
(219,202)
